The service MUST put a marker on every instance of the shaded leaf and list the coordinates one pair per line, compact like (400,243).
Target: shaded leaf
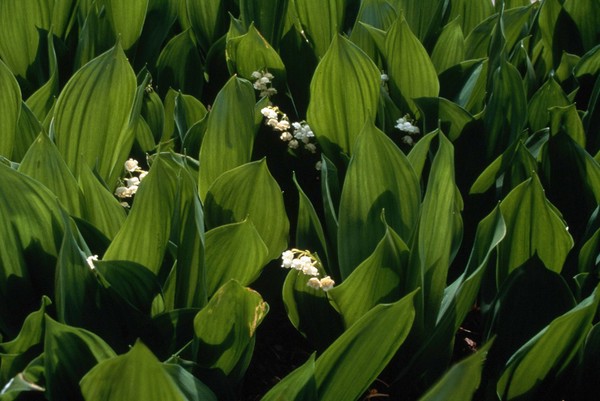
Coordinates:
(10,106)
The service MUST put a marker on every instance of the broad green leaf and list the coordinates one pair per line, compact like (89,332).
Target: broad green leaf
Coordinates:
(546,295)
(233,251)
(297,386)
(381,278)
(95,35)
(465,84)
(138,374)
(309,231)
(586,16)
(188,111)
(22,25)
(225,328)
(69,353)
(387,326)
(471,12)
(62,17)
(440,228)
(28,129)
(144,235)
(169,332)
(249,191)
(379,178)
(550,94)
(373,19)
(160,17)
(127,19)
(567,120)
(229,136)
(461,381)
(449,49)
(510,169)
(42,100)
(532,223)
(419,154)
(179,65)
(44,163)
(16,354)
(309,310)
(590,361)
(424,17)
(251,52)
(320,24)
(506,111)
(153,112)
(100,207)
(10,107)
(92,114)
(548,352)
(269,21)
(411,72)
(588,64)
(330,193)
(208,20)
(31,232)
(443,114)
(337,120)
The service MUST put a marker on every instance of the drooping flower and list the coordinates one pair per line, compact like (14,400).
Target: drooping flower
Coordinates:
(314,283)
(326,283)
(131,165)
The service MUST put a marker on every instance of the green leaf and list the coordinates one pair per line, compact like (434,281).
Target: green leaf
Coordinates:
(337,120)
(28,129)
(309,232)
(233,251)
(330,193)
(443,114)
(92,114)
(548,352)
(461,381)
(138,374)
(411,72)
(472,12)
(546,295)
(22,25)
(179,65)
(320,24)
(309,309)
(299,385)
(16,354)
(69,353)
(249,191)
(532,223)
(42,100)
(10,107)
(188,111)
(208,20)
(100,207)
(440,228)
(229,136)
(449,49)
(506,112)
(387,326)
(225,328)
(465,84)
(127,19)
(550,94)
(269,21)
(31,231)
(148,225)
(379,177)
(585,15)
(44,163)
(381,278)
(251,52)
(567,120)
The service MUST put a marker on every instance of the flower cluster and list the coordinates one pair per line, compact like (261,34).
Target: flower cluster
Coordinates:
(90,261)
(305,262)
(263,83)
(130,183)
(294,134)
(405,124)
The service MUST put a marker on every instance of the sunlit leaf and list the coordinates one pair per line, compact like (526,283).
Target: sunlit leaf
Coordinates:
(208,20)
(179,65)
(320,24)
(10,106)
(127,19)
(449,49)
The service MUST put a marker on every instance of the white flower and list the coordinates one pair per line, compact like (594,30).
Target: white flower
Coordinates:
(303,132)
(311,147)
(90,261)
(310,270)
(264,80)
(404,125)
(318,165)
(314,283)
(132,181)
(269,113)
(287,258)
(293,144)
(131,165)
(286,136)
(384,78)
(272,122)
(326,283)
(125,205)
(143,174)
(123,192)
(132,190)
(283,125)
(407,139)
(256,75)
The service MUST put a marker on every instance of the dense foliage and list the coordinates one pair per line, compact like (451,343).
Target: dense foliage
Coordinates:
(414,185)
